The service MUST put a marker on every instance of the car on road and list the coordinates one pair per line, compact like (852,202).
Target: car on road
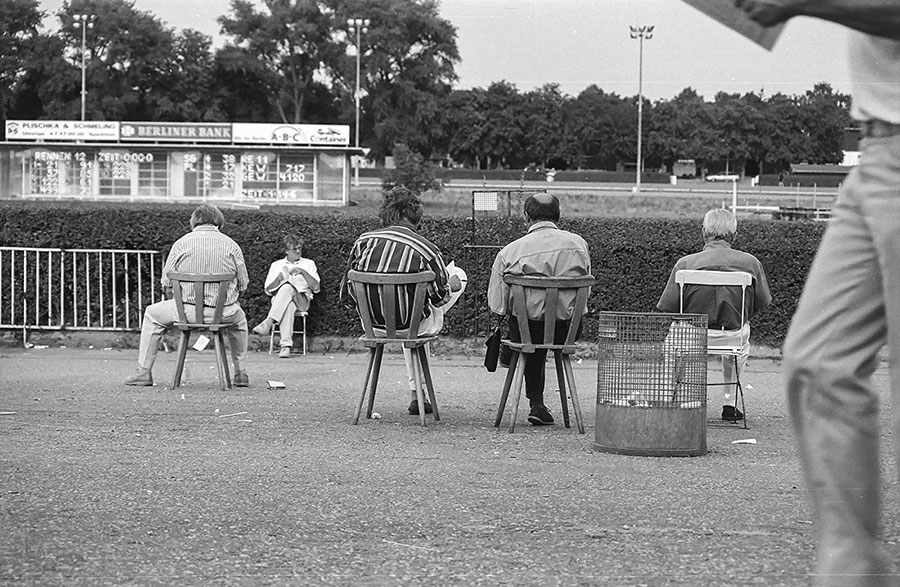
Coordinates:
(723,177)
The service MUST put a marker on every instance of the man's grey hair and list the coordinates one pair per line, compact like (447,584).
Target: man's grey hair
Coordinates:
(207,214)
(719,224)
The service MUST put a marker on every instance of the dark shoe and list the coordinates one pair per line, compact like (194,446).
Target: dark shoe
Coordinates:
(139,379)
(414,408)
(241,380)
(540,416)
(732,414)
(505,356)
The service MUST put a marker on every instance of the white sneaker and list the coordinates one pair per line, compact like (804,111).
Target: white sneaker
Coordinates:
(284,353)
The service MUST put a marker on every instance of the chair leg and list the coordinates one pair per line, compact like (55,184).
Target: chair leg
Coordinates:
(272,339)
(429,384)
(223,356)
(373,385)
(510,372)
(561,379)
(182,354)
(519,382)
(218,350)
(739,392)
(576,405)
(420,393)
(304,334)
(362,398)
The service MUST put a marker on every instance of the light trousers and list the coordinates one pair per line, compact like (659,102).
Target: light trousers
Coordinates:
(730,338)
(432,325)
(285,304)
(849,309)
(160,316)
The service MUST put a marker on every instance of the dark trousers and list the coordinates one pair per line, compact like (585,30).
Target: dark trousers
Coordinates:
(535,362)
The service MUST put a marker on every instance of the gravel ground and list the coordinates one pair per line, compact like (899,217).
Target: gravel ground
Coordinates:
(101,484)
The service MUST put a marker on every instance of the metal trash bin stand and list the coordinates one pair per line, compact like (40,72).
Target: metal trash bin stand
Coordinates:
(651,384)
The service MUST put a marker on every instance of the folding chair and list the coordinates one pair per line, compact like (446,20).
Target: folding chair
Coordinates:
(387,293)
(215,327)
(722,279)
(515,376)
(297,314)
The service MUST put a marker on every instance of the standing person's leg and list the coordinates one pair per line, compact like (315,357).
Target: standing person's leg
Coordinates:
(843,318)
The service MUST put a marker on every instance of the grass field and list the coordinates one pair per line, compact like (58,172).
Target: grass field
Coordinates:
(689,199)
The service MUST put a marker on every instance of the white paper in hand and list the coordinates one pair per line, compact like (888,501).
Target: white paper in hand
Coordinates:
(725,12)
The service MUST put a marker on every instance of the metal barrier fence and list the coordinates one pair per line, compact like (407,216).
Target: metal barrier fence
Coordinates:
(78,289)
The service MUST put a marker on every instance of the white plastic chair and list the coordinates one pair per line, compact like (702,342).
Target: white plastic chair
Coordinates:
(742,279)
(298,314)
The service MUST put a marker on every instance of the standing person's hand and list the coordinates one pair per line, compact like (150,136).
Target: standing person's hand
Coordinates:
(767,12)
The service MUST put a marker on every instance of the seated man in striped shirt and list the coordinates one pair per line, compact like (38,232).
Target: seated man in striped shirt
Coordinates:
(203,250)
(398,248)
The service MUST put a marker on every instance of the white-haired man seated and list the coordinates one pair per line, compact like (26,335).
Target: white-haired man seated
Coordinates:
(719,229)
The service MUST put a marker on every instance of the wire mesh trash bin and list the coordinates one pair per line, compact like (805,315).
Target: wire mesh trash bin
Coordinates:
(651,384)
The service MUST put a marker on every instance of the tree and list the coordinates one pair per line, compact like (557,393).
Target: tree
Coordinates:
(411,171)
(602,128)
(408,57)
(185,90)
(128,57)
(19,24)
(545,133)
(827,114)
(292,40)
(674,127)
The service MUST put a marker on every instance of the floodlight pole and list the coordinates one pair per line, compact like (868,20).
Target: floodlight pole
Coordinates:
(358,26)
(84,22)
(640,33)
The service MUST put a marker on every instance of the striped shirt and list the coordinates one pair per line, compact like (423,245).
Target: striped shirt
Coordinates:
(397,249)
(206,250)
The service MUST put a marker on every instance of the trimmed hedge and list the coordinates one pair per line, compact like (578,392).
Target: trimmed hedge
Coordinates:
(631,257)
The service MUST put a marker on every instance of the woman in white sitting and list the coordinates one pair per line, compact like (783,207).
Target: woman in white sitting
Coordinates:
(292,282)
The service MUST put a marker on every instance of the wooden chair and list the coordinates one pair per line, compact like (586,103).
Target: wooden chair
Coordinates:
(298,314)
(721,279)
(196,323)
(392,289)
(515,376)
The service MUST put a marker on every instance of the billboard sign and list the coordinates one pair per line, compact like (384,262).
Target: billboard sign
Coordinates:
(183,132)
(291,134)
(62,130)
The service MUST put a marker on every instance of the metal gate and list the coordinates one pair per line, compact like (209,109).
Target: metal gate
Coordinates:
(77,289)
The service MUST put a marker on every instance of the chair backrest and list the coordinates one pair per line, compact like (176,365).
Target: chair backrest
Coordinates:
(742,279)
(199,282)
(388,295)
(518,284)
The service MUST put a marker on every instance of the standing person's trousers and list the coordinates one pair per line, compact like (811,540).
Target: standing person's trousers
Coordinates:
(849,309)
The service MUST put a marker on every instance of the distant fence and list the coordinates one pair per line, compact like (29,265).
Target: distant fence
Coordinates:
(77,289)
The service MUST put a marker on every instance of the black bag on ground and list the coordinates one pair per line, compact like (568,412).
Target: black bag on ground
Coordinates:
(492,350)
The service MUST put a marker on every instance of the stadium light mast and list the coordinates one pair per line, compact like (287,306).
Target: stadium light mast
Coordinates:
(640,33)
(357,26)
(83,22)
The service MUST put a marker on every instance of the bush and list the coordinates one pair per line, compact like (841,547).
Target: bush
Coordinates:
(631,257)
(411,171)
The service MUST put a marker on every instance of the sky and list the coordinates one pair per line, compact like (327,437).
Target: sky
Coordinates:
(576,43)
